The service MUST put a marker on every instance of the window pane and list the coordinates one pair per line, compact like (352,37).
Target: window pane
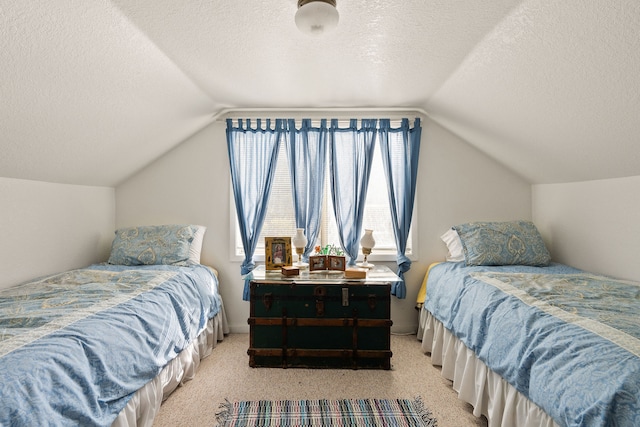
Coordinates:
(377,215)
(280,219)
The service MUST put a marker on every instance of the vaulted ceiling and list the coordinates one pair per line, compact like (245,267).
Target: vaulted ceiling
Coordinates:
(92,91)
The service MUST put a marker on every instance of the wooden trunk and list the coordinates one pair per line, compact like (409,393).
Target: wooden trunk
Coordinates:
(320,325)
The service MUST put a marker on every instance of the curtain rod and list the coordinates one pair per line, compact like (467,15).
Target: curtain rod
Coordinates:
(319,113)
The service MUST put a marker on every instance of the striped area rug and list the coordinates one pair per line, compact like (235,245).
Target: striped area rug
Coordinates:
(326,413)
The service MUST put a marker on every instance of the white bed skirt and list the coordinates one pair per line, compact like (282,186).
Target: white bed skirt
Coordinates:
(145,403)
(475,383)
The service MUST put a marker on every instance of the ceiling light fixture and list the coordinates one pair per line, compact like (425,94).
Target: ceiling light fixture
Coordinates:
(316,17)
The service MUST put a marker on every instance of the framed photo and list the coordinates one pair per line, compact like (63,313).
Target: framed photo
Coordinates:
(318,262)
(336,262)
(277,251)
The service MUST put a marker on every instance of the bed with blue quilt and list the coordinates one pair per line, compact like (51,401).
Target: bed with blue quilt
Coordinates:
(105,344)
(530,342)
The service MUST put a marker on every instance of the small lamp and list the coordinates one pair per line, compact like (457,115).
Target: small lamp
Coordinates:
(367,242)
(300,242)
(316,17)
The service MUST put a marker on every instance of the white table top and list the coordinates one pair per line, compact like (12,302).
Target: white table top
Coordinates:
(378,273)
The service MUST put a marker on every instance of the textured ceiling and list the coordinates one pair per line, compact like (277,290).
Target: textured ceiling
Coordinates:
(93,91)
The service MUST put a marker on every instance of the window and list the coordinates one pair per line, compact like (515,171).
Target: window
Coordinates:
(280,220)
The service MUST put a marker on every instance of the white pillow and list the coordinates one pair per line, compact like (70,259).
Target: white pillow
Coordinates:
(454,244)
(196,244)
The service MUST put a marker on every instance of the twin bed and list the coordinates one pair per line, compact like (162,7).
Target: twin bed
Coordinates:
(105,344)
(529,342)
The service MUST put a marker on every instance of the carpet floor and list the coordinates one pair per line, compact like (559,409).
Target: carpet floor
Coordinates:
(226,376)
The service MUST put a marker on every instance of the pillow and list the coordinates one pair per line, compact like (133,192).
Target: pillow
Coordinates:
(502,243)
(452,240)
(152,245)
(196,244)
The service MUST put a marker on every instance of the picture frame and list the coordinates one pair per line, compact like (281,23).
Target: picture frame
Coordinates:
(318,262)
(336,262)
(277,251)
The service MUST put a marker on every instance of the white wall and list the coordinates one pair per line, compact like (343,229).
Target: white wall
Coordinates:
(191,185)
(592,225)
(47,228)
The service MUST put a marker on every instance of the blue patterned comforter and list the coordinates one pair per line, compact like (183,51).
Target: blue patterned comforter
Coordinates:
(75,346)
(566,339)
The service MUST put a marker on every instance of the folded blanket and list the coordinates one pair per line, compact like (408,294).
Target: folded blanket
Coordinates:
(422,293)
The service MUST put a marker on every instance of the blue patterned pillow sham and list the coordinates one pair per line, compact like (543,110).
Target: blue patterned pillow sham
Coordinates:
(152,245)
(502,243)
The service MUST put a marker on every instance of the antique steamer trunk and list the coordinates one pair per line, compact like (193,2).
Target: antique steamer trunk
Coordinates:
(320,325)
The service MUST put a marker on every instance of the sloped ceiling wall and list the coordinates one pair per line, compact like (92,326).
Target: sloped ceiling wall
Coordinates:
(93,91)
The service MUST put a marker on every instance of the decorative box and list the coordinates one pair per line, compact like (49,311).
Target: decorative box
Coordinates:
(290,270)
(355,273)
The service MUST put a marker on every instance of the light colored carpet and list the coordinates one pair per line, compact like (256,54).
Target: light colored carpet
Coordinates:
(226,375)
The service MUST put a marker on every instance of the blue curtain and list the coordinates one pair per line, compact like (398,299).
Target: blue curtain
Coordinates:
(400,149)
(307,153)
(253,153)
(351,154)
